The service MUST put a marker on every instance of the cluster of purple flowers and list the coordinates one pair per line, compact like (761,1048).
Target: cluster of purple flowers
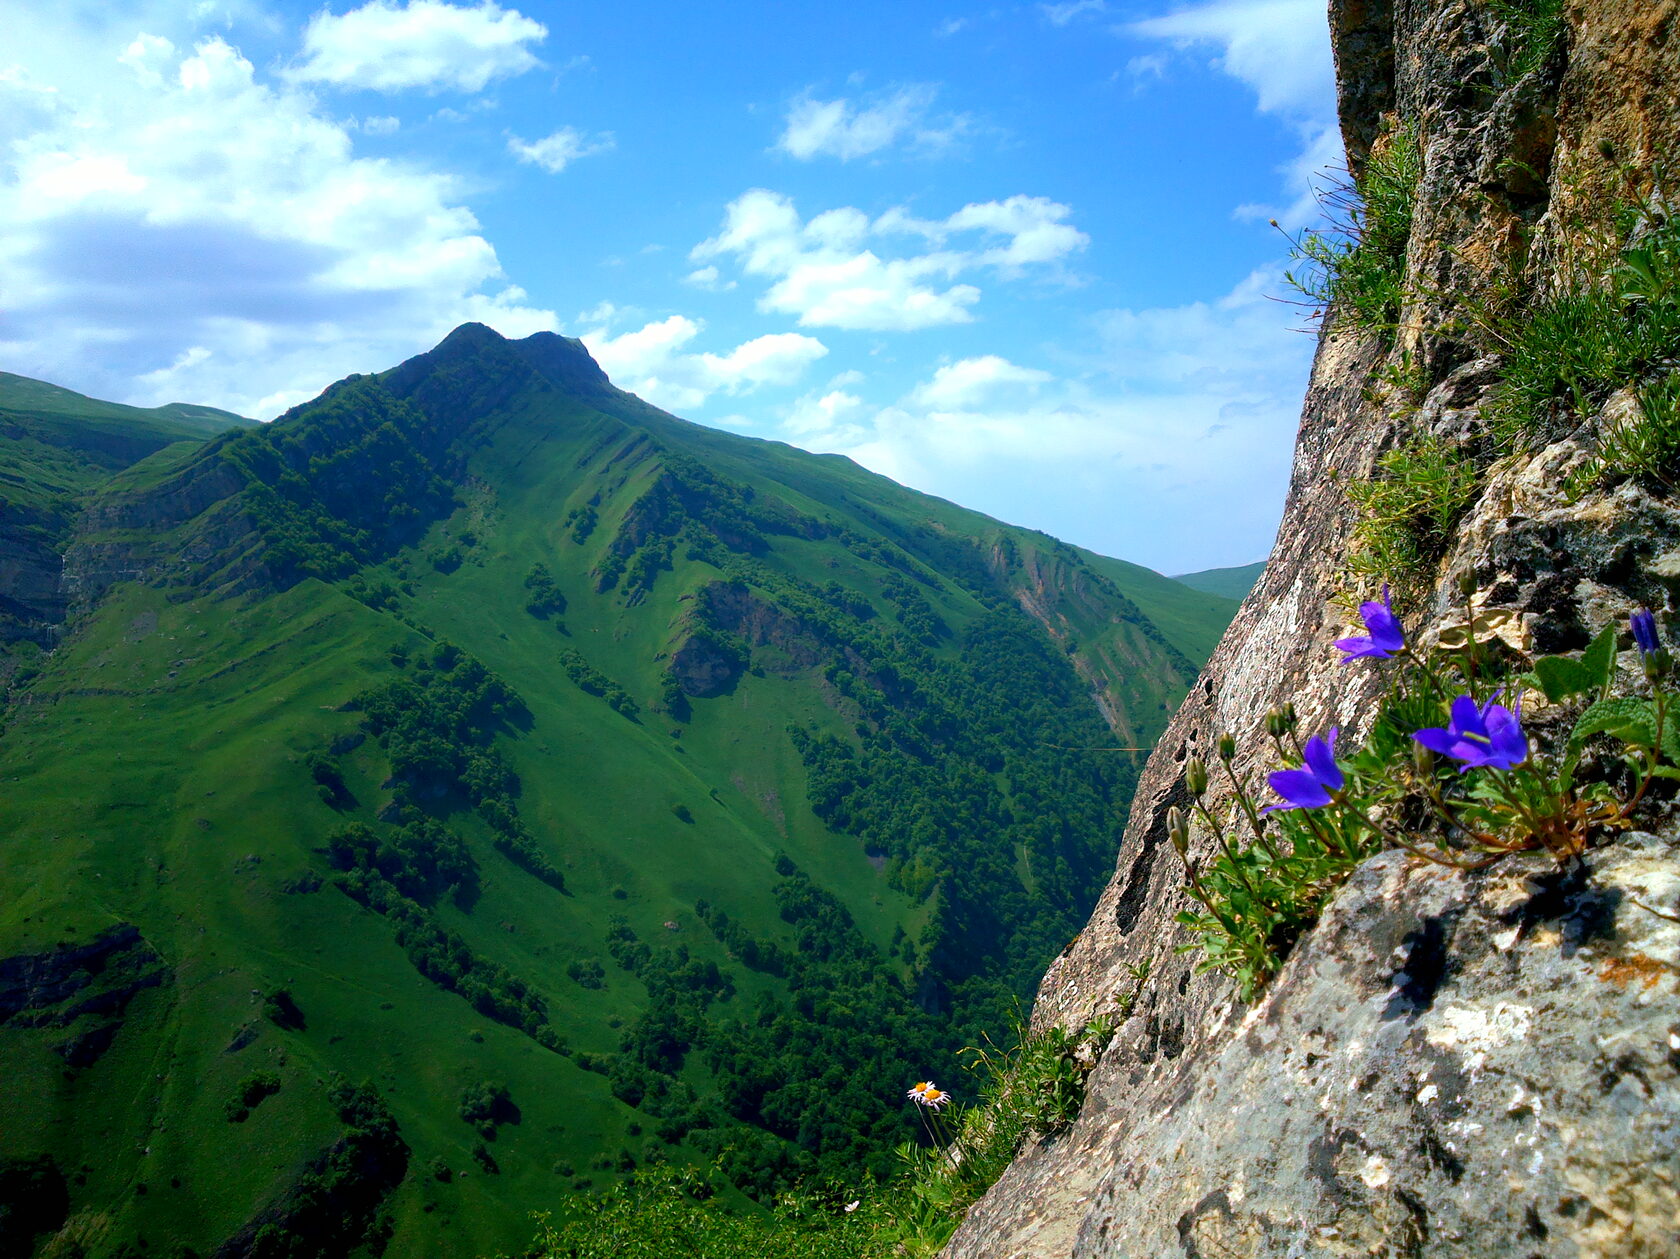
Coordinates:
(1484,735)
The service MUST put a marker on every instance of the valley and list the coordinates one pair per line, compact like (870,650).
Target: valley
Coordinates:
(425,809)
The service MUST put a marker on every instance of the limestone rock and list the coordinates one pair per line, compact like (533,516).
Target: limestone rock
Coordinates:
(1449,1064)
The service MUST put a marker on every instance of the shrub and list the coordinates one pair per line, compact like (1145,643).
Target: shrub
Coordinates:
(250,1093)
(1408,506)
(1567,351)
(1355,267)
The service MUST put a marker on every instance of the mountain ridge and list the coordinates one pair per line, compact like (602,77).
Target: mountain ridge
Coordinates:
(477,726)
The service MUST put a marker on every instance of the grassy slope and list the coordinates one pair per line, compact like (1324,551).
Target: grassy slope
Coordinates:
(1228,583)
(155,776)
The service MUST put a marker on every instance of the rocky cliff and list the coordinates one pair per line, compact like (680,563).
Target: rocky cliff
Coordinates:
(1450,1063)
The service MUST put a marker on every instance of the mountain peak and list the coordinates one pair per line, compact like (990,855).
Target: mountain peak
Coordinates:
(563,360)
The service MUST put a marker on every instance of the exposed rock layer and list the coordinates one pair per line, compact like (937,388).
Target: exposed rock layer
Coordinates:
(1449,1064)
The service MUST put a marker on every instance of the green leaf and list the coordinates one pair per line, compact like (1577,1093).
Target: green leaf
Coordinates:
(1560,677)
(1670,748)
(1626,717)
(1599,659)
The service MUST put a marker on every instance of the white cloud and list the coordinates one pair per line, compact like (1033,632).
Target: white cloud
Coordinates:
(1281,50)
(1182,414)
(845,130)
(560,149)
(949,27)
(180,230)
(827,273)
(971,381)
(654,362)
(421,44)
(1062,14)
(382,125)
(708,278)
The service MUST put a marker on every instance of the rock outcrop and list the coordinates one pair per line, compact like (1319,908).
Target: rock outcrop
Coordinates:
(1449,1064)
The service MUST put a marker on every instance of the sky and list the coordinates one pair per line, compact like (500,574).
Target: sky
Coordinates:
(1018,256)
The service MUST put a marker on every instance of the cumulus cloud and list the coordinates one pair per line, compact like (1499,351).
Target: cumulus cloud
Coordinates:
(654,362)
(424,44)
(182,230)
(845,129)
(828,273)
(708,278)
(1281,50)
(560,149)
(971,381)
(1182,414)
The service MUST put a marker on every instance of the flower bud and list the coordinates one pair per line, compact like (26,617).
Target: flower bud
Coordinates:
(1658,664)
(1275,725)
(1467,582)
(1178,830)
(1195,777)
(1227,746)
(1423,760)
(1290,720)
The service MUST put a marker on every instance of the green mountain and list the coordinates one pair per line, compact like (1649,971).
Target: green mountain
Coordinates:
(55,448)
(1227,583)
(478,782)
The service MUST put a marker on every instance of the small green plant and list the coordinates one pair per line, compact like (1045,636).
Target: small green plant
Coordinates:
(1354,268)
(1532,31)
(1448,773)
(1568,351)
(1404,381)
(1408,506)
(1031,1089)
(1644,446)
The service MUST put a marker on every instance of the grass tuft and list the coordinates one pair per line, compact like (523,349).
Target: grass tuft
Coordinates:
(1408,508)
(1355,267)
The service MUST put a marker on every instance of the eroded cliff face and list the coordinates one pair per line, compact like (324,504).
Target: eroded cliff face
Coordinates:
(1450,1064)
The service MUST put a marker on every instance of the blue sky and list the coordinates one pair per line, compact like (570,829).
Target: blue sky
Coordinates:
(1017,256)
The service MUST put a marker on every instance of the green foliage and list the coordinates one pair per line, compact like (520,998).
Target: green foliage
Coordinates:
(486,1105)
(545,599)
(250,1093)
(343,482)
(1567,351)
(1355,269)
(281,1009)
(1533,29)
(1258,893)
(423,860)
(593,682)
(335,1205)
(445,958)
(1645,446)
(1408,507)
(669,1213)
(438,726)
(1562,678)
(1266,881)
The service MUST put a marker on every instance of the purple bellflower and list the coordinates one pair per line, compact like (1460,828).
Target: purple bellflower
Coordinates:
(1386,637)
(1644,627)
(1486,736)
(1313,785)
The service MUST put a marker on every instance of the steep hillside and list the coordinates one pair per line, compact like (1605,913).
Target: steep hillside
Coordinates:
(478,782)
(1227,583)
(1469,1048)
(56,447)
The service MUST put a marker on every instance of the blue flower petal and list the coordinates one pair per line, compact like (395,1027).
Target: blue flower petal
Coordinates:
(1300,787)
